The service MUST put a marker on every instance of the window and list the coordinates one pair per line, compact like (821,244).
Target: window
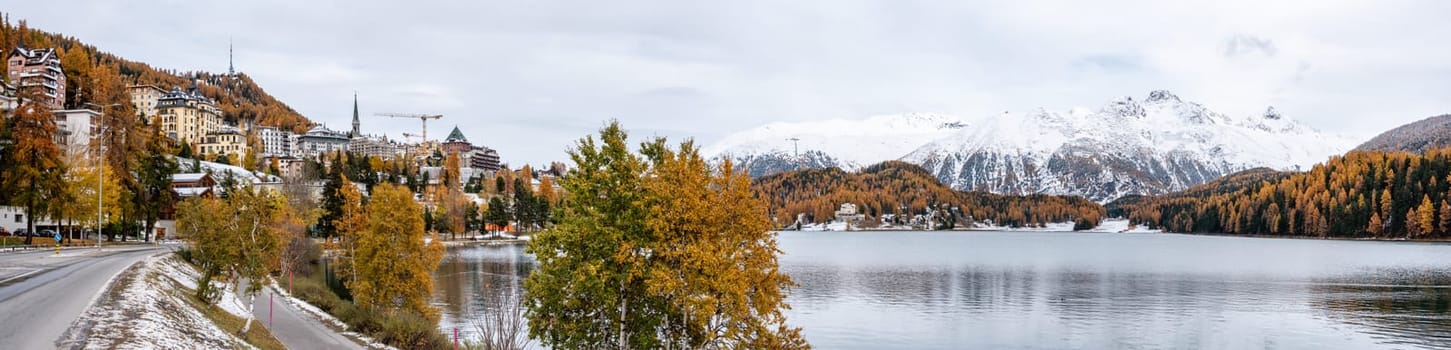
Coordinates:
(19,217)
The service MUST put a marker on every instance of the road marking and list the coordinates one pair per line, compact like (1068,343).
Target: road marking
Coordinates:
(23,275)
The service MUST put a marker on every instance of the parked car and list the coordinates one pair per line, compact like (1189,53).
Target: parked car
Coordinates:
(21,233)
(46,233)
(3,232)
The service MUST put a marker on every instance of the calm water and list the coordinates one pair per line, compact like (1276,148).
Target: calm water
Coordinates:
(955,290)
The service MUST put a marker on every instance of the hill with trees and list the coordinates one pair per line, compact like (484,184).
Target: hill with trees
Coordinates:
(900,191)
(1364,194)
(1416,137)
(239,97)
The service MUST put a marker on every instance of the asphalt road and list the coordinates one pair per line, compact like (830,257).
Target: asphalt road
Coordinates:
(41,293)
(294,327)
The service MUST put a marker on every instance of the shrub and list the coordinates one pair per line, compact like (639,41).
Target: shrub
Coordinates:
(407,330)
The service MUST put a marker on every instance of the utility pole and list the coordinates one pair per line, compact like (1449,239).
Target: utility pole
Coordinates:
(795,150)
(100,168)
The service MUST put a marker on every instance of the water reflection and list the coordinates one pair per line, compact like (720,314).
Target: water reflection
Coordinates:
(471,282)
(930,290)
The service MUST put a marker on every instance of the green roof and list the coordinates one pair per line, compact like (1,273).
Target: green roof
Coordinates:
(456,136)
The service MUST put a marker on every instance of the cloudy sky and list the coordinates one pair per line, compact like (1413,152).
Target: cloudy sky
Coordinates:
(529,77)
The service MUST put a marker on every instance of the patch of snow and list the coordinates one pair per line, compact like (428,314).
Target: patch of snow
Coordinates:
(855,143)
(1049,227)
(146,310)
(1120,226)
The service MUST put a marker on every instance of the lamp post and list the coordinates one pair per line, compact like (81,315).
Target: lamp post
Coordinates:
(100,169)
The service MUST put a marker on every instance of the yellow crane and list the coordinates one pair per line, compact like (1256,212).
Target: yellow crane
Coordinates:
(421,117)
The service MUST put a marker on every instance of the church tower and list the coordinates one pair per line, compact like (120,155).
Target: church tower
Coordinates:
(357,125)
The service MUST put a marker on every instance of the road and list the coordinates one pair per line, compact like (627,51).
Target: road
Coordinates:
(294,327)
(41,293)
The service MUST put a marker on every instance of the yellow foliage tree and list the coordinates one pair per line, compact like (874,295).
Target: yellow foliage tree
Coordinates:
(393,260)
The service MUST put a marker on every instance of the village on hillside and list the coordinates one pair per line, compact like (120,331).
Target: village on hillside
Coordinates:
(213,149)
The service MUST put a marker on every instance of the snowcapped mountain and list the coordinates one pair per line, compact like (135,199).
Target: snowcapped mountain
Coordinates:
(1130,146)
(847,144)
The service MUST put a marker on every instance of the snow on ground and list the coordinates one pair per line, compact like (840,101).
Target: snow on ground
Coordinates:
(1050,227)
(146,309)
(830,226)
(324,317)
(1121,226)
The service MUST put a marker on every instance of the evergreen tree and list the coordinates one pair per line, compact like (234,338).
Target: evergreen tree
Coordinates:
(497,214)
(332,201)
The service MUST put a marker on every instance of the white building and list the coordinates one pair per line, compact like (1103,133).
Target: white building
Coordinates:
(320,140)
(75,128)
(276,142)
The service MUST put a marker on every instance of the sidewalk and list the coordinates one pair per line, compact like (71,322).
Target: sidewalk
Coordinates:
(293,327)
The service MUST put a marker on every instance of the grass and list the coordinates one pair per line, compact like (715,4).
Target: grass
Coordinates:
(46,242)
(403,330)
(257,336)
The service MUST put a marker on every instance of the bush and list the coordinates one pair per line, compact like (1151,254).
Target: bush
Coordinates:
(407,330)
(401,329)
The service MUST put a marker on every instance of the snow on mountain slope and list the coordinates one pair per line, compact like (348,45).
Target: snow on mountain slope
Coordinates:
(1148,146)
(1130,146)
(848,144)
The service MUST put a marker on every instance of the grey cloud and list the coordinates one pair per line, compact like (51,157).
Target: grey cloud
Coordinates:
(1245,45)
(530,77)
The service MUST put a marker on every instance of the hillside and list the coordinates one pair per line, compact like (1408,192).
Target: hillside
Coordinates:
(1364,194)
(239,97)
(1132,145)
(1416,137)
(899,191)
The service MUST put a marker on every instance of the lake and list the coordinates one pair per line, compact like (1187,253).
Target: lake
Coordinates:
(1020,290)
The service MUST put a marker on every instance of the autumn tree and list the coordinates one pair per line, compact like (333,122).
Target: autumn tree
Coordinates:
(393,260)
(719,274)
(636,241)
(238,235)
(81,184)
(34,174)
(351,224)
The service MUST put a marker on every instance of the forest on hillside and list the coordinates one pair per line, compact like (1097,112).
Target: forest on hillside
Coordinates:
(240,98)
(1363,194)
(899,191)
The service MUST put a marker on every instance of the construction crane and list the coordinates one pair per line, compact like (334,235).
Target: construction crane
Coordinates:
(421,117)
(408,136)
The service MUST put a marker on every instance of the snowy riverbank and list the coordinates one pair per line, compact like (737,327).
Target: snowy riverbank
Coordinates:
(1108,225)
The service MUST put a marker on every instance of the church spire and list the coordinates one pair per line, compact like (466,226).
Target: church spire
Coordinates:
(357,125)
(231,69)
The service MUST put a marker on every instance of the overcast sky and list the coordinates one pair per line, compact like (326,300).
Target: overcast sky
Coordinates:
(530,77)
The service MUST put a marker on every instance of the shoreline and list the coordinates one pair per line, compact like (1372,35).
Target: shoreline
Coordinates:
(1236,235)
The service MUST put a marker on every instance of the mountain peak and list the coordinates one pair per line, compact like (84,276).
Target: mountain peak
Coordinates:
(1272,114)
(1162,95)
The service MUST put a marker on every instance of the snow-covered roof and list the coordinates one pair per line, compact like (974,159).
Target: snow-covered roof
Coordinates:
(187,177)
(187,192)
(220,170)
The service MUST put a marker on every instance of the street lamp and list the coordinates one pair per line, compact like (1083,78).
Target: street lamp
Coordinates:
(100,169)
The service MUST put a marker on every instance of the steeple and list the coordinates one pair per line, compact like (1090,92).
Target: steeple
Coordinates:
(231,69)
(357,125)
